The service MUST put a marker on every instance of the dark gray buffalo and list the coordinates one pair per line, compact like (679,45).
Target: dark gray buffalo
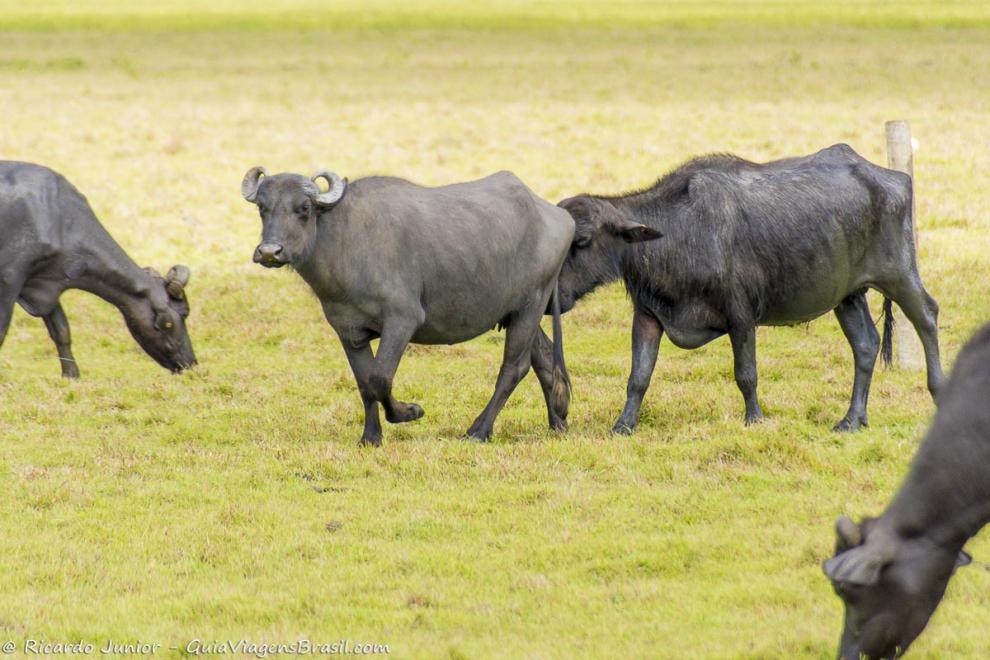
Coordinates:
(391,259)
(51,241)
(748,244)
(891,571)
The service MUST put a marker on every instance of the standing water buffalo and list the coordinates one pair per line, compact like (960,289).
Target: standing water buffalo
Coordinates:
(891,571)
(51,241)
(750,244)
(391,259)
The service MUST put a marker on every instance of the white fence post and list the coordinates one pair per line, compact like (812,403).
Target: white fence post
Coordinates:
(900,156)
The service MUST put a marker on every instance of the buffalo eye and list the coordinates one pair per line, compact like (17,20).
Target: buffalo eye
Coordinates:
(163,323)
(303,210)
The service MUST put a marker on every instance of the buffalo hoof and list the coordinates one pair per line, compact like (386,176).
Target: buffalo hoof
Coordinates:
(370,442)
(756,418)
(558,425)
(70,371)
(404,412)
(477,435)
(621,428)
(847,425)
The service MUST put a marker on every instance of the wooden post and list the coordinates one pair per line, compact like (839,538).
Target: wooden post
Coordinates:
(900,156)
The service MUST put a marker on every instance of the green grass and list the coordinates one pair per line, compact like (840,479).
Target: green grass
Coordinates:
(233,500)
(59,15)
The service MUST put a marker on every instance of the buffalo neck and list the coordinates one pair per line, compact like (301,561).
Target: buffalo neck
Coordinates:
(108,271)
(946,496)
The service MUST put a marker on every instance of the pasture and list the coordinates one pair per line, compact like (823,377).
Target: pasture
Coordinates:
(233,501)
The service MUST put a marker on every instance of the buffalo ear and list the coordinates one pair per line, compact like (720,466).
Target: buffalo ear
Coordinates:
(861,565)
(584,224)
(633,232)
(963,559)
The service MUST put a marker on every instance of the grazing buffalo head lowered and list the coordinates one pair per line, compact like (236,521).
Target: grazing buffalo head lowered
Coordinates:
(158,323)
(289,205)
(890,586)
(595,258)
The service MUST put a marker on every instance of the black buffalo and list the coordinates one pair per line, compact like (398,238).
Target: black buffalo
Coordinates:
(50,241)
(391,259)
(748,244)
(891,571)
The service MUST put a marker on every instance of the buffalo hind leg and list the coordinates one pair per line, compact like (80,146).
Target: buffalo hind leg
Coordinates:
(922,311)
(519,338)
(58,330)
(541,357)
(646,334)
(857,325)
(744,356)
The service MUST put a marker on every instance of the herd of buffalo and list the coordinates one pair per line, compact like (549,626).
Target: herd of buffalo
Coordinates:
(717,247)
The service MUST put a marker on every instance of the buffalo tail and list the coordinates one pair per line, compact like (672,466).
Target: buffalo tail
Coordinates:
(560,394)
(887,345)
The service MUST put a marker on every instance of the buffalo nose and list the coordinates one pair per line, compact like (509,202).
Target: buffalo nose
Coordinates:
(268,253)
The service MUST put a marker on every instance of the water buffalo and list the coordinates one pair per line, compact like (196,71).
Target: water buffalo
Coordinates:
(891,571)
(750,244)
(394,260)
(50,241)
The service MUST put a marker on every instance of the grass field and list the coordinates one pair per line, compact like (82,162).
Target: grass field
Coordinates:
(234,502)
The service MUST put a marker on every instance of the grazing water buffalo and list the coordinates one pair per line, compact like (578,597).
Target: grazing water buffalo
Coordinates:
(750,244)
(51,241)
(391,259)
(891,571)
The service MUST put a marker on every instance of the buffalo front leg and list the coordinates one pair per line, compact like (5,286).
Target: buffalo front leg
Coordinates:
(58,330)
(541,357)
(519,338)
(395,337)
(744,362)
(646,334)
(857,325)
(362,364)
(8,297)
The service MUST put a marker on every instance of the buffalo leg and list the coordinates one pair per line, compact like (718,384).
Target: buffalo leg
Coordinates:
(7,300)
(857,325)
(519,338)
(362,364)
(922,311)
(541,357)
(646,334)
(744,355)
(395,337)
(58,330)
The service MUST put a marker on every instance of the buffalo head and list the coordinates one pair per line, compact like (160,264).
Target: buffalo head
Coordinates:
(600,232)
(158,321)
(890,586)
(290,205)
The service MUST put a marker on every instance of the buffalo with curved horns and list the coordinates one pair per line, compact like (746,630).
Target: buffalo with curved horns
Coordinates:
(749,244)
(50,241)
(393,260)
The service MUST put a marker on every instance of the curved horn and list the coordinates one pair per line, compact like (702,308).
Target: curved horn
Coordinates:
(176,281)
(336,191)
(249,185)
(848,532)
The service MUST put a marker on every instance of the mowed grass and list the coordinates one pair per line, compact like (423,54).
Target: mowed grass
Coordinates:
(233,501)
